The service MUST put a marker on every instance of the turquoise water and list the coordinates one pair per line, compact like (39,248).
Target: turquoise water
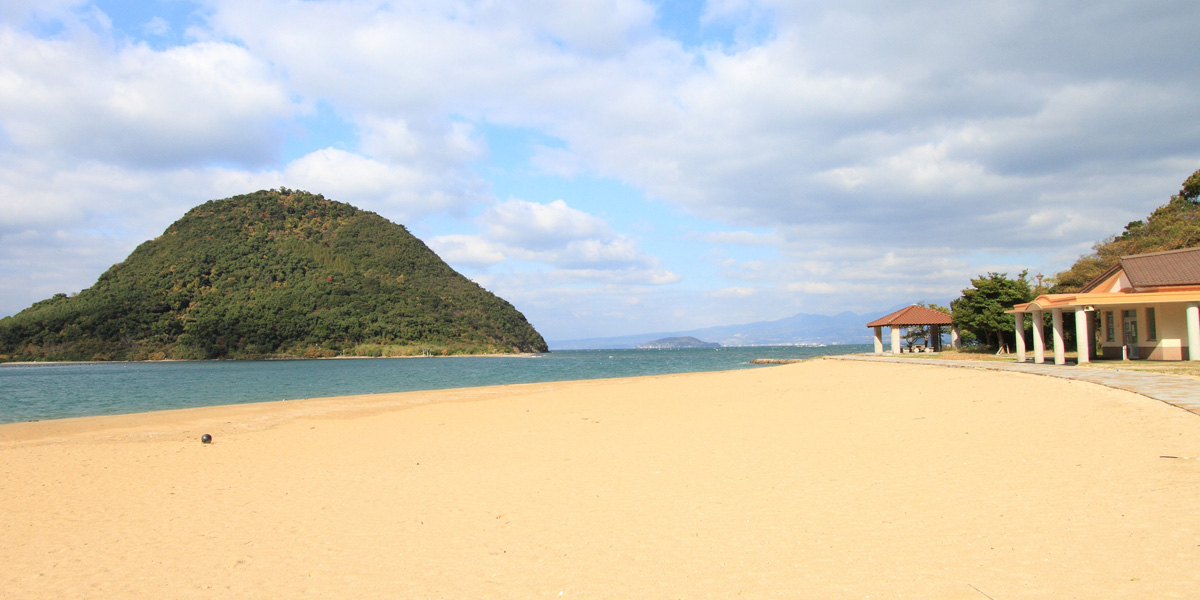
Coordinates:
(54,391)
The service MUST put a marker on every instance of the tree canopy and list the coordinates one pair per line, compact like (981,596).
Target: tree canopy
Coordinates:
(276,273)
(980,310)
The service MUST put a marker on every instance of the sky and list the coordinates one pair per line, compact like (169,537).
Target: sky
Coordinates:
(610,167)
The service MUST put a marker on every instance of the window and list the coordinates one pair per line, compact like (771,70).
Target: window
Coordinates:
(1110,332)
(1151,326)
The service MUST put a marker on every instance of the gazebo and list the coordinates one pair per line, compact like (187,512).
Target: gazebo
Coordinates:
(914,316)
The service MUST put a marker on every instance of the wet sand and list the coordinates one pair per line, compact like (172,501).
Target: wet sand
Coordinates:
(825,479)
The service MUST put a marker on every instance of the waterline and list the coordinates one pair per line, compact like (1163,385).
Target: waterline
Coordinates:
(41,391)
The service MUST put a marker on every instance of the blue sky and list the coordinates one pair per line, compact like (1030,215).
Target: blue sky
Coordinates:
(610,167)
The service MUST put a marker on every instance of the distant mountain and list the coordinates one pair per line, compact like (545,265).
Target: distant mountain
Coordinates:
(272,274)
(798,329)
(677,342)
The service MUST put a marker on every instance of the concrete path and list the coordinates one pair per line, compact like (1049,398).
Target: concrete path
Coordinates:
(1172,389)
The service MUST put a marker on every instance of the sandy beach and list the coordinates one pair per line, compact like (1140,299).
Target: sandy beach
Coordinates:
(825,479)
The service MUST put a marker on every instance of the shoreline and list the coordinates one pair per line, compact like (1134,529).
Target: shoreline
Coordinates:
(223,360)
(45,391)
(269,413)
(829,478)
(944,362)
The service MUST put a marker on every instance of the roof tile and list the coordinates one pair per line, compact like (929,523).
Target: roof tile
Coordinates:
(1154,269)
(911,316)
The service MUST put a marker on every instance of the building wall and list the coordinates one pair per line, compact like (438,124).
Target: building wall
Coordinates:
(1171,325)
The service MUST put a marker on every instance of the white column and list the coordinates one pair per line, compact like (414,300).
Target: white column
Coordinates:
(1020,336)
(878,340)
(1193,329)
(1082,336)
(1060,349)
(1039,338)
(955,339)
(895,339)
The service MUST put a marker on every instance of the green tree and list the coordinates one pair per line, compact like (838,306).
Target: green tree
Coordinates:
(980,310)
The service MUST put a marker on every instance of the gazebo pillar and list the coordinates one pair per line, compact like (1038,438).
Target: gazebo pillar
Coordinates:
(911,317)
(1060,357)
(1020,318)
(1082,333)
(1193,329)
(1039,338)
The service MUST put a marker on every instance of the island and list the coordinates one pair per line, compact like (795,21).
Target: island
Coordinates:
(272,274)
(672,343)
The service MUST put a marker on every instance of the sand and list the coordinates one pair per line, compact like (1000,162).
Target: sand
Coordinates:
(826,479)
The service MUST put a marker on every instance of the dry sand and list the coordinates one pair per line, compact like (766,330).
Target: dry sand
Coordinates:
(826,479)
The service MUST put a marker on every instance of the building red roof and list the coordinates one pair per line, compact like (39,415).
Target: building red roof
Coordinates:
(912,316)
(1155,269)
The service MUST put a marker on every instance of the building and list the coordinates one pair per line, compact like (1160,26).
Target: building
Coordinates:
(914,316)
(1147,306)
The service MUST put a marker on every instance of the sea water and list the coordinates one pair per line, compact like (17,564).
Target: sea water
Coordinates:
(30,392)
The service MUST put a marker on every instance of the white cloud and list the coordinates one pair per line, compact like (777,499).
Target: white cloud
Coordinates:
(577,245)
(399,191)
(593,27)
(71,15)
(82,97)
(887,151)
(734,292)
(441,144)
(467,250)
(537,226)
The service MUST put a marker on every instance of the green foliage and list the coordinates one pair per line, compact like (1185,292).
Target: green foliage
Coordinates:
(980,310)
(1172,226)
(273,273)
(1191,188)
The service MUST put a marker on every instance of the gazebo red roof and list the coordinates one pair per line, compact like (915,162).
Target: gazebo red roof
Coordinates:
(912,316)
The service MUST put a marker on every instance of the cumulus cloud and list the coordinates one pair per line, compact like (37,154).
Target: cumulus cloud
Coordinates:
(403,192)
(468,250)
(577,246)
(847,154)
(131,105)
(538,226)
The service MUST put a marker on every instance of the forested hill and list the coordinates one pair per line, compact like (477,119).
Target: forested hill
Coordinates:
(272,274)
(1172,226)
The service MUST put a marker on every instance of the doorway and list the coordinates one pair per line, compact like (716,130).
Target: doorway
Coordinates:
(1131,334)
